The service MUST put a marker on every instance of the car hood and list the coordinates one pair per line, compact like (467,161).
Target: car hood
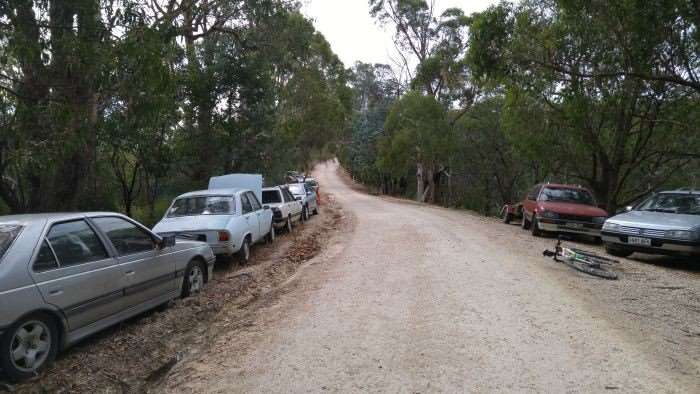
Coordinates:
(192,223)
(657,220)
(568,208)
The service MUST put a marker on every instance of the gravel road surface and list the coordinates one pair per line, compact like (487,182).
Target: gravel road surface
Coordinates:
(414,298)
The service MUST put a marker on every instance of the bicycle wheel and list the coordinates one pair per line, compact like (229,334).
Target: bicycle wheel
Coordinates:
(596,257)
(590,270)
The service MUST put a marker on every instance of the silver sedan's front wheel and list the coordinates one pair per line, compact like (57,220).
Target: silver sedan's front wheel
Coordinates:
(29,346)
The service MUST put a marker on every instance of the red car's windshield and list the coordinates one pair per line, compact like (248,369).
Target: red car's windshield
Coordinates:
(577,196)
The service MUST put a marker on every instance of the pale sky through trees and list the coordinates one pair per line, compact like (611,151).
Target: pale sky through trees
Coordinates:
(355,36)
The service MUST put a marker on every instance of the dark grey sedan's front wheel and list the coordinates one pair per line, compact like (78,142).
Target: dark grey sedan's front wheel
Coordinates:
(28,346)
(194,278)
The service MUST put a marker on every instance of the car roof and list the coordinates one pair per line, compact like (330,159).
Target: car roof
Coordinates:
(682,191)
(53,216)
(275,187)
(564,186)
(213,192)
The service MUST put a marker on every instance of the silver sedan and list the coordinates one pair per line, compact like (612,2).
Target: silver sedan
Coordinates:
(665,223)
(66,276)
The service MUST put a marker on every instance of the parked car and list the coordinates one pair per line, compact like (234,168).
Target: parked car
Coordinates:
(665,223)
(557,208)
(295,176)
(66,276)
(313,183)
(307,196)
(229,220)
(286,210)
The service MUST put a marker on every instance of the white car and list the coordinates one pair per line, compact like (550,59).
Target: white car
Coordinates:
(229,220)
(286,210)
(306,194)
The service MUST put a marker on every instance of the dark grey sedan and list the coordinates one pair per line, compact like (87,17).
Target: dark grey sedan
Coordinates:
(66,276)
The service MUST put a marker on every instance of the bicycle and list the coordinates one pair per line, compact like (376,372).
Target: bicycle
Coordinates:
(584,261)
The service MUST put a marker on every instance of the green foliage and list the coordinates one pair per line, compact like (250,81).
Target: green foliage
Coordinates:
(416,131)
(113,105)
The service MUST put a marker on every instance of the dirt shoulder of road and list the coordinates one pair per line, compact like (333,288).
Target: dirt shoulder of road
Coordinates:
(135,355)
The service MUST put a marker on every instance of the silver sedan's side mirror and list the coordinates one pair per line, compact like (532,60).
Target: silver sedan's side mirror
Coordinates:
(629,208)
(167,241)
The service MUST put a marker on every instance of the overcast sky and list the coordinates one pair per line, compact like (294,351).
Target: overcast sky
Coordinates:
(355,36)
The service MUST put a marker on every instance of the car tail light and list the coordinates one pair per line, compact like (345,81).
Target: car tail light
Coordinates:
(224,236)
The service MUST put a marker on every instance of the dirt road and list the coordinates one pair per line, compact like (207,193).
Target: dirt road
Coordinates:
(413,298)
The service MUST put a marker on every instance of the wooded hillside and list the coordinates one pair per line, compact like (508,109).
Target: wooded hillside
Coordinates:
(599,93)
(121,104)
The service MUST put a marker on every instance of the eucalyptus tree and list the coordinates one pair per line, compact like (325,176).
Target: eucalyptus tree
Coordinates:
(615,129)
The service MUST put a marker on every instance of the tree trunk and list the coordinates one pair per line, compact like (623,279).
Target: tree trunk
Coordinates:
(420,182)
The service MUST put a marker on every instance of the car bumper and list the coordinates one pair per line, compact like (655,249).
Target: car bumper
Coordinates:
(555,226)
(658,245)
(226,249)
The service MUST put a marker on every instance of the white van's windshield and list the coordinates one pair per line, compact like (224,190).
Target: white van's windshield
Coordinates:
(202,205)
(8,233)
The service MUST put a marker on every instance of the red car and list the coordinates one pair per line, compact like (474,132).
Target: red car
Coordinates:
(556,208)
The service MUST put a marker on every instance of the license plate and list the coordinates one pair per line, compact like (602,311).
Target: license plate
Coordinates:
(574,225)
(639,241)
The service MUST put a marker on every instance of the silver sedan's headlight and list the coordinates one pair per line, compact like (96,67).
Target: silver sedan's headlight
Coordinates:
(599,219)
(679,234)
(610,226)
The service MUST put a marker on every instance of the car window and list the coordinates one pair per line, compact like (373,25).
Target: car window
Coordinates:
(287,195)
(254,201)
(126,237)
(271,196)
(576,196)
(75,243)
(8,233)
(245,204)
(45,260)
(687,204)
(297,189)
(201,205)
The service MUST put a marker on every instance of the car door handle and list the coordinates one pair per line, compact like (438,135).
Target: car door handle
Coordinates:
(130,273)
(56,292)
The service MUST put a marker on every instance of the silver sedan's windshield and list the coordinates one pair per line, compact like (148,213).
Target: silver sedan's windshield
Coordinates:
(201,205)
(8,233)
(688,204)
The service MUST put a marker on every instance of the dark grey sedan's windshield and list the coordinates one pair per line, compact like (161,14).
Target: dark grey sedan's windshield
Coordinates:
(8,233)
(578,196)
(688,204)
(201,205)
